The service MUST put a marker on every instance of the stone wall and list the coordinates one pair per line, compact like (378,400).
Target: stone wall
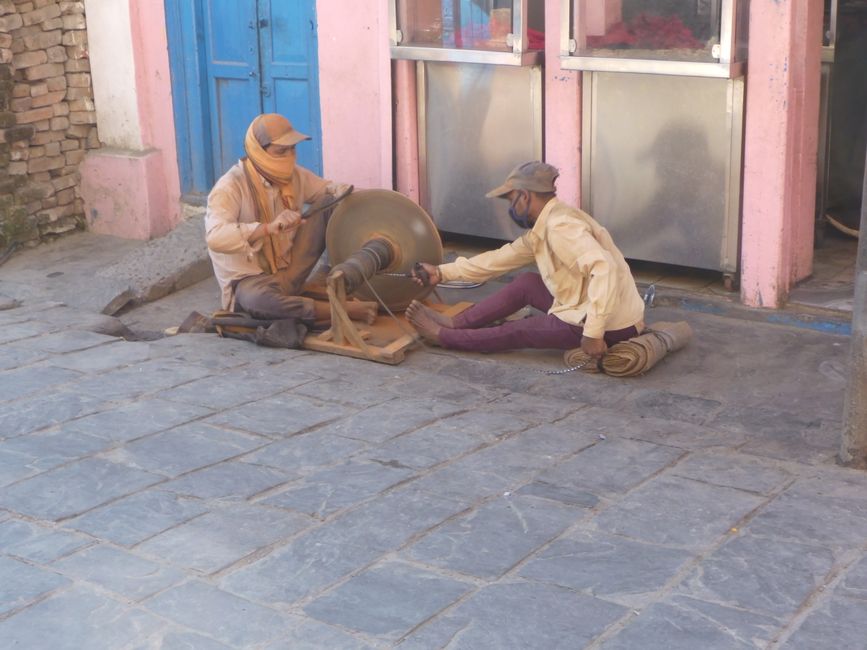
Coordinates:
(47,118)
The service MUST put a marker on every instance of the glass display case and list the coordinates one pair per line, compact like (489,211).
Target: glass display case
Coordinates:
(467,31)
(703,38)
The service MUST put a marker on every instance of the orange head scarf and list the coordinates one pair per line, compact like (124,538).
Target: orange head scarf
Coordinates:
(279,171)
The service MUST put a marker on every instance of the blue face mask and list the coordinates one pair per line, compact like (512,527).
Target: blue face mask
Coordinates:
(521,220)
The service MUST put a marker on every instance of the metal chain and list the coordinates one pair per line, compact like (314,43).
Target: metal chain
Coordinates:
(572,369)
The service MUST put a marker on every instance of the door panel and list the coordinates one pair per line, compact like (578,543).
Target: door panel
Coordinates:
(230,61)
(232,56)
(287,35)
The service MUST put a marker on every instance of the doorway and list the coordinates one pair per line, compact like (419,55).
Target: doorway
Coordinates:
(230,61)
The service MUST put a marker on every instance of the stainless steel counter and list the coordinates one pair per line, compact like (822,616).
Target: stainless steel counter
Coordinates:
(476,123)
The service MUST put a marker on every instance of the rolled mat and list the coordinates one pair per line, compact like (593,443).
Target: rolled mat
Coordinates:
(637,355)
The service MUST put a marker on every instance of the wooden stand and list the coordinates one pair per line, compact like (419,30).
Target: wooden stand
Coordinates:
(386,341)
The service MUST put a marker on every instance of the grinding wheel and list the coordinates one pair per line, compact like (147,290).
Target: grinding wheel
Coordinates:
(369,214)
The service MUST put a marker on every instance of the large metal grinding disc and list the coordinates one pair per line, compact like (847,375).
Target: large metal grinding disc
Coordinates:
(368,214)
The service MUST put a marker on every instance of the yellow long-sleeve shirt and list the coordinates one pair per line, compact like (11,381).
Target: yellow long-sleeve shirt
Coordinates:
(579,264)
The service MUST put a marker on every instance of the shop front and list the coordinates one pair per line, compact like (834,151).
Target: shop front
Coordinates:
(687,127)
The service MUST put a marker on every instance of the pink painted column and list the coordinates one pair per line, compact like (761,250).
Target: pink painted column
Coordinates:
(355,92)
(131,186)
(562,112)
(780,148)
(406,129)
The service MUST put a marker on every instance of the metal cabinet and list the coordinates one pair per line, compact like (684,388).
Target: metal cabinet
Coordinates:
(479,94)
(662,123)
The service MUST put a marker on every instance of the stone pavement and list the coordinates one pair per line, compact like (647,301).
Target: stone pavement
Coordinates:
(194,492)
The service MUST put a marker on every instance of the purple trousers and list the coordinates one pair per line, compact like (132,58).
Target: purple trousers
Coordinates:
(544,331)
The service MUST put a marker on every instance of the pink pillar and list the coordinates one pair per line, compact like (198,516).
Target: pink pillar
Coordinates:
(355,92)
(131,187)
(780,148)
(562,108)
(406,129)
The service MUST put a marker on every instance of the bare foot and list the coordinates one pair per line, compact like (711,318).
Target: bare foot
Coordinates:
(421,320)
(362,310)
(415,307)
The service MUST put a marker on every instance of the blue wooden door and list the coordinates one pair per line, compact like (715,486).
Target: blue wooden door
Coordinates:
(232,72)
(287,37)
(230,61)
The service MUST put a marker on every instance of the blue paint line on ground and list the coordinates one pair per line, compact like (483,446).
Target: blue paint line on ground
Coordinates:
(828,326)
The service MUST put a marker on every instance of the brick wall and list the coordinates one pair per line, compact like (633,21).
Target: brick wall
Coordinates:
(47,118)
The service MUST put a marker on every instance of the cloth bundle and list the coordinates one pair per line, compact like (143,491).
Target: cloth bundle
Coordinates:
(637,355)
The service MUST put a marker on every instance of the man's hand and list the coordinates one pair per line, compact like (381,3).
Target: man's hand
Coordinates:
(424,274)
(285,221)
(593,347)
(337,189)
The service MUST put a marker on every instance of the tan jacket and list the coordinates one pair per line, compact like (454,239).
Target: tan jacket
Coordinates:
(231,218)
(579,263)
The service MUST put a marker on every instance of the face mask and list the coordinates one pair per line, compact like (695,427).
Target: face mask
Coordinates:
(521,220)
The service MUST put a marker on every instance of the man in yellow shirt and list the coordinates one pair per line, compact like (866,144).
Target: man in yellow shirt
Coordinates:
(584,286)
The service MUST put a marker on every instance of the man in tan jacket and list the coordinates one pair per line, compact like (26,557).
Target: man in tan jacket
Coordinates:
(261,248)
(584,286)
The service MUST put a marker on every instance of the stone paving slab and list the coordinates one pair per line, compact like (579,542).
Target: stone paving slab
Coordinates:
(232,389)
(184,448)
(279,416)
(686,624)
(337,488)
(332,551)
(304,454)
(126,422)
(518,616)
(762,575)
(136,380)
(678,512)
(119,571)
(387,600)
(228,618)
(495,536)
(309,634)
(77,618)
(138,517)
(229,480)
(839,620)
(232,534)
(21,382)
(23,584)
(73,489)
(106,357)
(42,411)
(610,567)
(35,543)
(612,465)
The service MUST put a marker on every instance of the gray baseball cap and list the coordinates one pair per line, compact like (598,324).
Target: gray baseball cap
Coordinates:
(534,176)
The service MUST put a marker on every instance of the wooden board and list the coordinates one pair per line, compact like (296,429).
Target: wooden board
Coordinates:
(386,340)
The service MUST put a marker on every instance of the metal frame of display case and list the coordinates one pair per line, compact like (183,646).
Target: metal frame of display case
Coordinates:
(726,53)
(828,48)
(518,56)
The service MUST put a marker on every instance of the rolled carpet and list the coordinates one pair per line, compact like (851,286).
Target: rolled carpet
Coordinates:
(637,355)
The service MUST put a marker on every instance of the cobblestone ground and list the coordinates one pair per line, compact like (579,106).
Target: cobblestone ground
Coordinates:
(193,492)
